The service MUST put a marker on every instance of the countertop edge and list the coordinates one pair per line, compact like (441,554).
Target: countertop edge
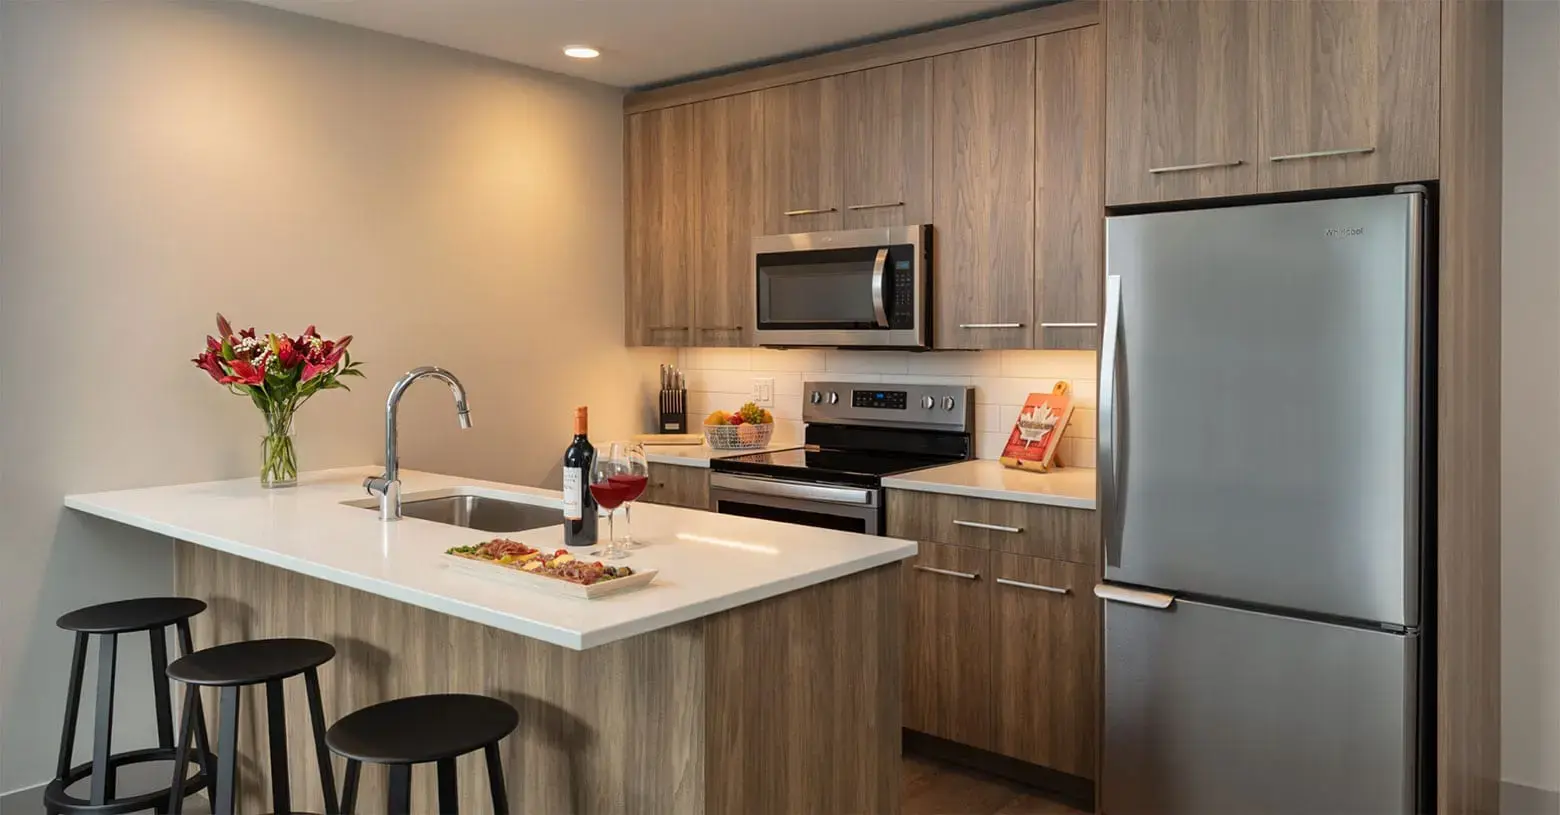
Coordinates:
(964,491)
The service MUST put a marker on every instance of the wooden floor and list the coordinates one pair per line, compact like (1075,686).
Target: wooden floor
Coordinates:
(934,788)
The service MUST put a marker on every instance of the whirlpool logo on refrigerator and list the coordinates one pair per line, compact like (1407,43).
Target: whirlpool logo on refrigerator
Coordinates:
(1344,231)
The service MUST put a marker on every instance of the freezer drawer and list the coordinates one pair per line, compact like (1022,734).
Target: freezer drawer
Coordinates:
(1215,711)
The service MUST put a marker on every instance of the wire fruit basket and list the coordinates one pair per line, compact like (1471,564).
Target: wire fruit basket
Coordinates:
(738,436)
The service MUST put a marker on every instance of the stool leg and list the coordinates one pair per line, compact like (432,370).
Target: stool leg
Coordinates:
(311,682)
(78,669)
(349,786)
(161,698)
(181,756)
(400,802)
(202,739)
(276,735)
(227,754)
(449,791)
(102,769)
(495,767)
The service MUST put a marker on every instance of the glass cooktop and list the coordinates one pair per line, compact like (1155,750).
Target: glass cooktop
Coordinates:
(825,465)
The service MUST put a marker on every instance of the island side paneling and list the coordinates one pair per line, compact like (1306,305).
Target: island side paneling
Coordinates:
(785,703)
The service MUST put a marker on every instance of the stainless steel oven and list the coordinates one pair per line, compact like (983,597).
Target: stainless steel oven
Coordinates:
(828,506)
(861,288)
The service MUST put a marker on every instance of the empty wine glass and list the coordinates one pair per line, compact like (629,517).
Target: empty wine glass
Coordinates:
(633,477)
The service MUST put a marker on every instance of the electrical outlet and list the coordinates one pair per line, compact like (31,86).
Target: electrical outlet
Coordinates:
(764,391)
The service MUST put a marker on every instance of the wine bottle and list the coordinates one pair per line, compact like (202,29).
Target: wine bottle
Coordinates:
(579,506)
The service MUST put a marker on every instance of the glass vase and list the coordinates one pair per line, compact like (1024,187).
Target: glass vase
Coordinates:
(278,457)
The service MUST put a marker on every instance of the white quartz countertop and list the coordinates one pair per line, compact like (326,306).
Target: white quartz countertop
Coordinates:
(1066,487)
(708,563)
(699,455)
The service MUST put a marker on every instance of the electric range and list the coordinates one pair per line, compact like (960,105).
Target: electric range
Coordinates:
(856,433)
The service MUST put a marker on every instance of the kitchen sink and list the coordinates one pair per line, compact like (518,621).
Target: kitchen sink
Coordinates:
(482,512)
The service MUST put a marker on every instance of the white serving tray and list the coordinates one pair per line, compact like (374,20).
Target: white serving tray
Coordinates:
(543,583)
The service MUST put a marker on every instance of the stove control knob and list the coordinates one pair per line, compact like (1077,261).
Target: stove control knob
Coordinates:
(928,402)
(834,398)
(817,397)
(948,403)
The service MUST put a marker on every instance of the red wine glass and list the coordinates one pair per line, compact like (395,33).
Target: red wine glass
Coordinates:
(609,495)
(633,476)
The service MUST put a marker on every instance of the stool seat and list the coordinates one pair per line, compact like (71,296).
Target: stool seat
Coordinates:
(124,616)
(422,729)
(251,662)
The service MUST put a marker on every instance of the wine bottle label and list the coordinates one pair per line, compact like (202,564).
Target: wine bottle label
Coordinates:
(573,494)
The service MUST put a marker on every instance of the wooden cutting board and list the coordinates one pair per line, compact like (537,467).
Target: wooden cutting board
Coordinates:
(670,438)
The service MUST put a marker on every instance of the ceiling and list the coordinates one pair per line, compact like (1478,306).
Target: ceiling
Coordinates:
(642,42)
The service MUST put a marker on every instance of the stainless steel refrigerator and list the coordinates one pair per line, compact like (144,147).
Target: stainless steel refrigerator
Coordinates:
(1261,464)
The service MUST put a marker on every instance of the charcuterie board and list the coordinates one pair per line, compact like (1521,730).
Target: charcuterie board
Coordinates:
(582,579)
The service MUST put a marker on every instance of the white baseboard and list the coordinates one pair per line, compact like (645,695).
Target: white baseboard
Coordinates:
(1516,799)
(25,801)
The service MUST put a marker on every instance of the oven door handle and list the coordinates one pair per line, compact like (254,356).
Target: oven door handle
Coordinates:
(789,489)
(879,309)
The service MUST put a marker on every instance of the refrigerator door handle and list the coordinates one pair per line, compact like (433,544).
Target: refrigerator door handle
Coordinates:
(1107,418)
(1136,597)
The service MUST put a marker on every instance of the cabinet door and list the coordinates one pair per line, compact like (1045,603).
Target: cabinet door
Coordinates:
(947,653)
(801,179)
(1045,657)
(678,486)
(659,153)
(885,145)
(1069,187)
(1178,106)
(984,209)
(730,155)
(1350,92)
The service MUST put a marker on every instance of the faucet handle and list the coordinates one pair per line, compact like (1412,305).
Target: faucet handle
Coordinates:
(376,484)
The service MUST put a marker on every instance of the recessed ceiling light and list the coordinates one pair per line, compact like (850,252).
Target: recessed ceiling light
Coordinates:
(581,52)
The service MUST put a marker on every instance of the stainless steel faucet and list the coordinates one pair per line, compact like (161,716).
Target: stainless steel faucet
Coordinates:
(388,486)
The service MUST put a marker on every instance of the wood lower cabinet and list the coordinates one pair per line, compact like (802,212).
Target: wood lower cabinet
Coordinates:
(660,178)
(1179,105)
(1044,655)
(984,208)
(1350,92)
(678,486)
(947,652)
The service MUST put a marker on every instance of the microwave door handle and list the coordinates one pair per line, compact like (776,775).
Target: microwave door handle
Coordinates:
(878,309)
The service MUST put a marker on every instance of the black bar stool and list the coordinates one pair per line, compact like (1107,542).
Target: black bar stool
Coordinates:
(234,666)
(150,614)
(421,730)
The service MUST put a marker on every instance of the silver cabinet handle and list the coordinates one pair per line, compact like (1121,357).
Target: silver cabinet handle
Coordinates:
(1106,432)
(879,310)
(884,205)
(1347,151)
(1133,597)
(1036,586)
(1069,325)
(991,325)
(668,328)
(720,328)
(1014,530)
(948,572)
(1186,168)
(795,212)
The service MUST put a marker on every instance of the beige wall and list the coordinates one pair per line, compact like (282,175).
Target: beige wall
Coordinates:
(1530,397)
(161,161)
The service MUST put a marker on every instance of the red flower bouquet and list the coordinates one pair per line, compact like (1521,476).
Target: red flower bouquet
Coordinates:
(278,373)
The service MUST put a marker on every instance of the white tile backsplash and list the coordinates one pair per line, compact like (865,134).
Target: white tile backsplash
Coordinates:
(722,378)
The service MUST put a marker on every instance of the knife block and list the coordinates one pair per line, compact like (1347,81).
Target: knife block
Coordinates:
(674,411)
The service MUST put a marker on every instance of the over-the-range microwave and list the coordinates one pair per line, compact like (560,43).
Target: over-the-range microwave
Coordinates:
(860,288)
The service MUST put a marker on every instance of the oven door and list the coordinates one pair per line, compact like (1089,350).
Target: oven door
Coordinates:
(827,506)
(864,288)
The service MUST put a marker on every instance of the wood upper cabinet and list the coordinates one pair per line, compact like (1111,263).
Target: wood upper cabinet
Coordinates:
(801,189)
(1180,99)
(1069,186)
(884,147)
(728,196)
(984,206)
(947,683)
(1350,92)
(1045,653)
(661,172)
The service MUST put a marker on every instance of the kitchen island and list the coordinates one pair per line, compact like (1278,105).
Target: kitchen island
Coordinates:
(760,672)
